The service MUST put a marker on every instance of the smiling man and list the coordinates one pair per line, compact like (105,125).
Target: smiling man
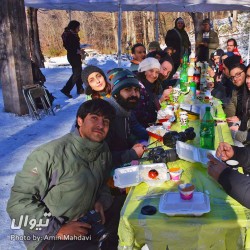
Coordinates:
(125,131)
(65,178)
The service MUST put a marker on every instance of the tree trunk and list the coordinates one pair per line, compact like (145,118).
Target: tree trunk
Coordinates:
(34,42)
(234,23)
(144,28)
(197,20)
(114,22)
(151,26)
(15,65)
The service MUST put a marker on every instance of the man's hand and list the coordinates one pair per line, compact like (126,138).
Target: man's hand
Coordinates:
(215,167)
(233,119)
(224,151)
(73,228)
(139,149)
(99,208)
(234,128)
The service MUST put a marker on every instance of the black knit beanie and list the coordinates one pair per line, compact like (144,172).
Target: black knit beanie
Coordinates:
(231,61)
(85,74)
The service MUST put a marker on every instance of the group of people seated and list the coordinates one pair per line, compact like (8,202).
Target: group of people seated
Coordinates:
(71,175)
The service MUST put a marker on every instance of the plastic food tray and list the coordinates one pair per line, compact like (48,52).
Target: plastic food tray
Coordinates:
(171,204)
(191,153)
(133,175)
(156,132)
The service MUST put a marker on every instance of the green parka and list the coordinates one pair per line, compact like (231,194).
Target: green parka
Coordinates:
(64,177)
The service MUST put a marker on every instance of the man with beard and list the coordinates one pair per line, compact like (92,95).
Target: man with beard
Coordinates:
(125,131)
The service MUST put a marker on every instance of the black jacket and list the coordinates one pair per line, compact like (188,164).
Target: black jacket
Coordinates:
(235,184)
(124,132)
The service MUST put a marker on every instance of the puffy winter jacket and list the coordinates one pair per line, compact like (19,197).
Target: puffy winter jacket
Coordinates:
(64,177)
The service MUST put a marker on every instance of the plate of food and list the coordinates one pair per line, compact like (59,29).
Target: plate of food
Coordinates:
(152,174)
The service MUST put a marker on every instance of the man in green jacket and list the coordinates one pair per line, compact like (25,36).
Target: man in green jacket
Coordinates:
(62,180)
(207,41)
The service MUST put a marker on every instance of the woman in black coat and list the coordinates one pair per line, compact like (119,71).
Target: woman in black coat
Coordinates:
(71,42)
(178,39)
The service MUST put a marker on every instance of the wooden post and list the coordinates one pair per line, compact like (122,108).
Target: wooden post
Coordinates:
(15,64)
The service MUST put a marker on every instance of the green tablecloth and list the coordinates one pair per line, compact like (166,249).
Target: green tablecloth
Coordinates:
(226,226)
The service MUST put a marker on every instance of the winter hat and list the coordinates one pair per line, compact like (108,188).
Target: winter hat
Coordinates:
(111,73)
(85,74)
(206,20)
(89,70)
(154,45)
(149,63)
(219,52)
(231,61)
(123,79)
(179,19)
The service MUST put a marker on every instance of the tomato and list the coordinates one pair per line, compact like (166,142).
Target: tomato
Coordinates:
(153,173)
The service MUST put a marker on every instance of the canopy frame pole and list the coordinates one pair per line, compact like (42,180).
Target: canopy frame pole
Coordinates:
(156,23)
(119,32)
(248,52)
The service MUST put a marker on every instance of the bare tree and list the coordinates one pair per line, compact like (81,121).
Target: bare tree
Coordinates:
(34,42)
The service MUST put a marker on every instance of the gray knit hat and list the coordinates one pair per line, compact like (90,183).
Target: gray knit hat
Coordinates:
(123,79)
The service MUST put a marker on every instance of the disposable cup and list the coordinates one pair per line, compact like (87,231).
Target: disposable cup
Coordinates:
(175,174)
(186,191)
(233,164)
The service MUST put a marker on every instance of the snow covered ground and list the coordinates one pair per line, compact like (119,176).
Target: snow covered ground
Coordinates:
(19,136)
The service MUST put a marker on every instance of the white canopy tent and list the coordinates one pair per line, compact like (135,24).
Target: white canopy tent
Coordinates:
(141,5)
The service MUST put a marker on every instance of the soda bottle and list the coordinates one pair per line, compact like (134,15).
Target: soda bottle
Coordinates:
(183,80)
(197,77)
(193,89)
(190,72)
(207,130)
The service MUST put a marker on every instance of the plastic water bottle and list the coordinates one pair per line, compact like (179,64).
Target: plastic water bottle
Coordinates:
(207,130)
(183,80)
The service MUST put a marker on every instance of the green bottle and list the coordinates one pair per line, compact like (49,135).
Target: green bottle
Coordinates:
(193,89)
(207,130)
(183,80)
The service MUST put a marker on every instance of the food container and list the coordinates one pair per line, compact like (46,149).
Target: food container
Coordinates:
(152,174)
(191,153)
(186,191)
(156,132)
(171,204)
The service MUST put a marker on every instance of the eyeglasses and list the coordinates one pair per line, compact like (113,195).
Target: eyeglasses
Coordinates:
(237,75)
(142,52)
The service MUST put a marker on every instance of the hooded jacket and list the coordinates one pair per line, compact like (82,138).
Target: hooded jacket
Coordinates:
(64,177)
(179,41)
(124,132)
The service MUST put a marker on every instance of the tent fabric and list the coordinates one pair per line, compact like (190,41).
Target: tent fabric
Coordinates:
(141,5)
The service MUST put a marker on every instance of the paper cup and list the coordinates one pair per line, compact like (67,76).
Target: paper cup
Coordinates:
(186,191)
(175,174)
(233,164)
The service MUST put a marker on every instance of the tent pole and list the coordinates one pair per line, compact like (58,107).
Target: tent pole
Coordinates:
(156,23)
(119,33)
(69,15)
(248,52)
